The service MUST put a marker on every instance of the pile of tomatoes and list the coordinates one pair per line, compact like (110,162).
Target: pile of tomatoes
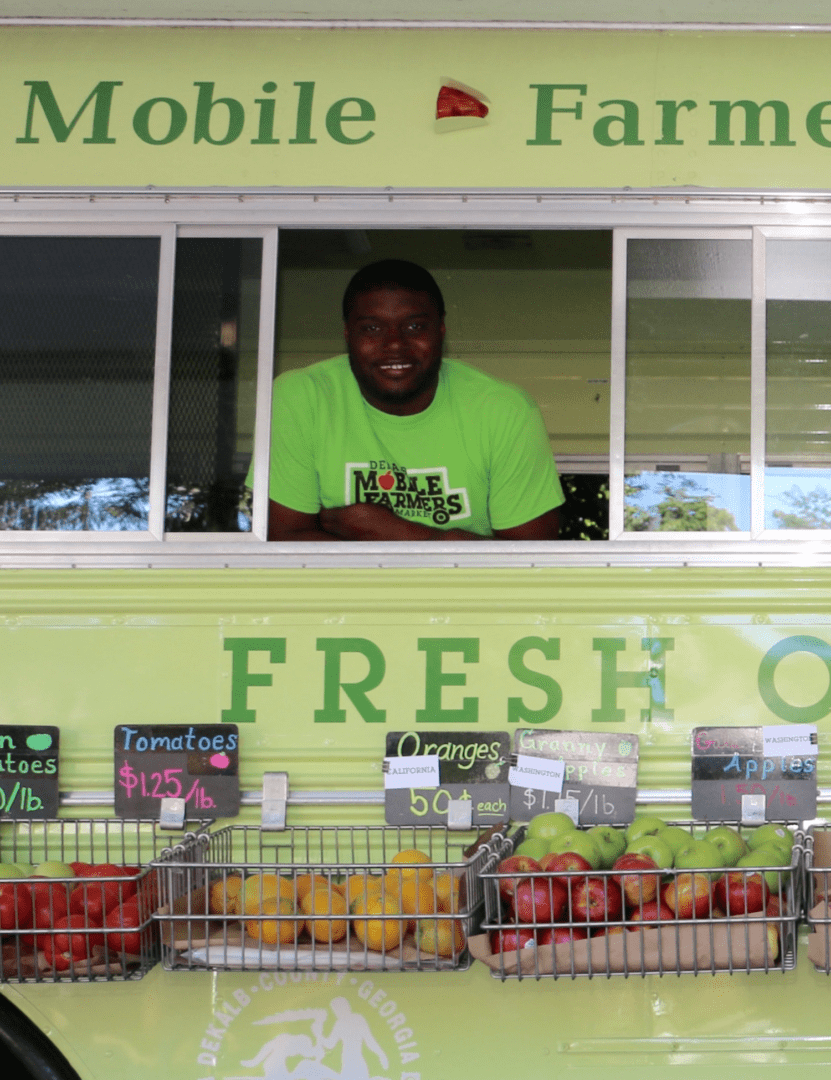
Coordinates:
(95,917)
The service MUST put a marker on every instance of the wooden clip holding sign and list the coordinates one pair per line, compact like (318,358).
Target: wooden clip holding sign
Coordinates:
(28,771)
(196,763)
(733,768)
(599,772)
(430,775)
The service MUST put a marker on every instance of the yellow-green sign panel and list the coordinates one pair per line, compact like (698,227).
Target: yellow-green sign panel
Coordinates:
(315,693)
(358,108)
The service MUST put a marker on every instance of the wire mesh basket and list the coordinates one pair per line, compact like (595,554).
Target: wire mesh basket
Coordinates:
(560,922)
(348,898)
(818,895)
(80,905)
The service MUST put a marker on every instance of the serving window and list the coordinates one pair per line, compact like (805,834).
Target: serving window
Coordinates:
(682,373)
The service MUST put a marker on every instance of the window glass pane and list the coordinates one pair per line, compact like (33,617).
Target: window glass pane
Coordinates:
(77,348)
(216,315)
(687,442)
(532,307)
(798,385)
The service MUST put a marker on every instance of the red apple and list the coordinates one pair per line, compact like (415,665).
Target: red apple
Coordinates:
(653,911)
(689,895)
(596,899)
(740,893)
(540,900)
(567,866)
(638,886)
(604,931)
(776,907)
(519,866)
(512,938)
(557,935)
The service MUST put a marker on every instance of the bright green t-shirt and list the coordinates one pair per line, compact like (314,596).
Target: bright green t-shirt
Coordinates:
(478,458)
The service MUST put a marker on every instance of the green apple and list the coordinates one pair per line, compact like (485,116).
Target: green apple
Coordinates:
(729,842)
(699,855)
(10,870)
(549,825)
(655,847)
(536,847)
(53,869)
(643,825)
(675,837)
(580,842)
(769,855)
(770,831)
(25,868)
(610,841)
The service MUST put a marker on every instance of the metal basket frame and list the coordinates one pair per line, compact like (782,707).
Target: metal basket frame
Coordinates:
(33,955)
(194,937)
(706,934)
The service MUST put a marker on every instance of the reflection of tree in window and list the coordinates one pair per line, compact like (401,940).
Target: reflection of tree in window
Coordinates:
(110,504)
(809,509)
(685,507)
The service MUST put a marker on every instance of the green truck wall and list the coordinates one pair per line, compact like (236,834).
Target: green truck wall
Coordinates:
(91,649)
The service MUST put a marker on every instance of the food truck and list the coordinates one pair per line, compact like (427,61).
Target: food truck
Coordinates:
(632,223)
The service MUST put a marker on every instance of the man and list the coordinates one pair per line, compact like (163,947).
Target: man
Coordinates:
(393,443)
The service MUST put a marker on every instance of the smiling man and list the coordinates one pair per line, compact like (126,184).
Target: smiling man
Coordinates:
(391,442)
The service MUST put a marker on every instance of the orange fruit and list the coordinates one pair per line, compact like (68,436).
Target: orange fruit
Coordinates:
(323,902)
(358,885)
(441,937)
(417,897)
(305,883)
(378,933)
(271,931)
(224,894)
(413,863)
(447,891)
(261,887)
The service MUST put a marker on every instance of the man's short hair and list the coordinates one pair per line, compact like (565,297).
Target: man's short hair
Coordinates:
(392,274)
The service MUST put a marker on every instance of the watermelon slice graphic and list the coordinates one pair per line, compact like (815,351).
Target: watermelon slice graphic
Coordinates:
(455,102)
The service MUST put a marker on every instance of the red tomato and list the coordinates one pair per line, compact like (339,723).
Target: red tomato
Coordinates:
(15,905)
(81,869)
(71,942)
(46,890)
(127,919)
(94,899)
(105,869)
(46,910)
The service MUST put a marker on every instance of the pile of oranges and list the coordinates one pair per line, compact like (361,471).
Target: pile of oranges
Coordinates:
(391,904)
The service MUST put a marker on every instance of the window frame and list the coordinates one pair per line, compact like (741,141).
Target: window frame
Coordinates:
(240,213)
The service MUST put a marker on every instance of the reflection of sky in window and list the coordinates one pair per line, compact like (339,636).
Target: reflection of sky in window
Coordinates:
(732,492)
(780,481)
(729,492)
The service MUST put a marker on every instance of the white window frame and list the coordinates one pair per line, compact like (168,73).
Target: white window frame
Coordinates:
(243,212)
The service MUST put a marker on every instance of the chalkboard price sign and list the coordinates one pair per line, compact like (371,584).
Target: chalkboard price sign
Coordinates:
(472,765)
(195,762)
(600,772)
(777,763)
(28,771)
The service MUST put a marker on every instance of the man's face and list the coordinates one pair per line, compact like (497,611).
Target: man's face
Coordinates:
(394,338)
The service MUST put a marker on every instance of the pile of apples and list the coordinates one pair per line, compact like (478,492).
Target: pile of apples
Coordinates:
(563,883)
(74,912)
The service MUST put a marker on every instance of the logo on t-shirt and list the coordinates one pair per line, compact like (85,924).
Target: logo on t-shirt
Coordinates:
(422,494)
